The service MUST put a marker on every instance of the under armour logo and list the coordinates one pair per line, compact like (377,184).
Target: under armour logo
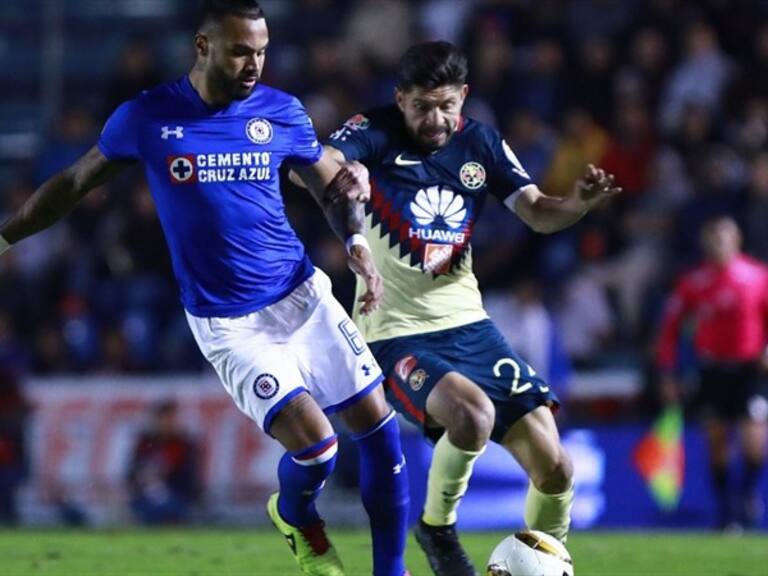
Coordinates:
(366,369)
(166,132)
(397,468)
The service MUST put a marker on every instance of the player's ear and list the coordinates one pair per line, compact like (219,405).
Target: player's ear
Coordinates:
(464,92)
(201,44)
(400,99)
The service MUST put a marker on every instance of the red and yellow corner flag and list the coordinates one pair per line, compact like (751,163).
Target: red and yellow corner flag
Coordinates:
(660,458)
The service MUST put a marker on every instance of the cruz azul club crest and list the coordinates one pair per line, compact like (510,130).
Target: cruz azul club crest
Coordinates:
(259,131)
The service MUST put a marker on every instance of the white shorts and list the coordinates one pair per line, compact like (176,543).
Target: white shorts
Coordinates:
(304,342)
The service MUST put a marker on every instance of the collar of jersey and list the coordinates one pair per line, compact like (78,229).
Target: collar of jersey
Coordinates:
(204,108)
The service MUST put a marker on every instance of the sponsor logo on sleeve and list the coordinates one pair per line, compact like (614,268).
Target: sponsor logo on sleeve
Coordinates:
(357,122)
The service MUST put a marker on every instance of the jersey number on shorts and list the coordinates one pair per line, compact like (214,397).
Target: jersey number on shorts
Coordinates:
(517,388)
(353,337)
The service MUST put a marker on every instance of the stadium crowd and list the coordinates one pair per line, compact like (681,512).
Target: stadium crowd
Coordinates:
(669,95)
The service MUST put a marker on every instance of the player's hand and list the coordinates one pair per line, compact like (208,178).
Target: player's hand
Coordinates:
(352,182)
(361,263)
(669,390)
(595,186)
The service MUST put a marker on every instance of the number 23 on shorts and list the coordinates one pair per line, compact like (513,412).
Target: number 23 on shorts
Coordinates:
(517,387)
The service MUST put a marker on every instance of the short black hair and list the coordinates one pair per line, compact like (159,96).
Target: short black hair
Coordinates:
(430,65)
(216,9)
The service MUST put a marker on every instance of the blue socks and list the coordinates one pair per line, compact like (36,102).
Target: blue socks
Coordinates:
(384,490)
(302,476)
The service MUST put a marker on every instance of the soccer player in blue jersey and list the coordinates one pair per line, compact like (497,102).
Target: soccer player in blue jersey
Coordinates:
(448,368)
(211,144)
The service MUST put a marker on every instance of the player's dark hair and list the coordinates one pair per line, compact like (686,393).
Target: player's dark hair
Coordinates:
(430,65)
(216,9)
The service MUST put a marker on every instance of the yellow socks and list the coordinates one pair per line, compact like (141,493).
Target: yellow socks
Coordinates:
(449,476)
(550,513)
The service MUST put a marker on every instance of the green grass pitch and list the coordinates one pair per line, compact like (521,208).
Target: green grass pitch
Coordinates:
(263,553)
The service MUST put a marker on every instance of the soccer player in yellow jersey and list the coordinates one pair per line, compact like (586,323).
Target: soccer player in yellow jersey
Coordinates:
(447,367)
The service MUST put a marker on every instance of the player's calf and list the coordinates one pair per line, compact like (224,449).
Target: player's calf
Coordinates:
(555,476)
(385,495)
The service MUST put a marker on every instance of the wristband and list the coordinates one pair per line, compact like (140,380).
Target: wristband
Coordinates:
(357,240)
(4,244)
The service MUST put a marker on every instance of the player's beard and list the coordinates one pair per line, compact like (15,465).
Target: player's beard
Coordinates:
(232,87)
(426,137)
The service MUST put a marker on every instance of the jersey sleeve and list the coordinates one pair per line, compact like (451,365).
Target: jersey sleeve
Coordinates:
(507,177)
(305,147)
(357,139)
(120,137)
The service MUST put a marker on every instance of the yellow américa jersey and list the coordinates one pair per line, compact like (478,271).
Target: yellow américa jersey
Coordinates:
(417,300)
(420,218)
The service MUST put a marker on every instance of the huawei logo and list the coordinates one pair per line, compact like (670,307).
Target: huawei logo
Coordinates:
(435,202)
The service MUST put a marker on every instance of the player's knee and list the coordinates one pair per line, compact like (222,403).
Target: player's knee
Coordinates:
(557,477)
(471,423)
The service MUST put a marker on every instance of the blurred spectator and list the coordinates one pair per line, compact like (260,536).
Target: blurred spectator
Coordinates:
(699,79)
(522,318)
(644,75)
(532,140)
(591,79)
(756,210)
(537,81)
(717,181)
(14,465)
(727,297)
(163,474)
(378,32)
(73,135)
(585,318)
(751,82)
(582,142)
(444,19)
(631,149)
(136,70)
(596,18)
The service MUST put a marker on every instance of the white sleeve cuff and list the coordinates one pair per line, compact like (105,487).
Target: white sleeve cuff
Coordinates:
(357,240)
(510,200)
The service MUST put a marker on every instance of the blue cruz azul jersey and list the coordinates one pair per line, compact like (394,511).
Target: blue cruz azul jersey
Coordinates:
(214,178)
(422,211)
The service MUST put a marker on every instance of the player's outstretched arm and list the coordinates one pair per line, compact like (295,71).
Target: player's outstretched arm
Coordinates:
(56,197)
(341,190)
(548,214)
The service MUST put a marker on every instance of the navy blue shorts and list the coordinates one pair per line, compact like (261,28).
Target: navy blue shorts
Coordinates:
(413,365)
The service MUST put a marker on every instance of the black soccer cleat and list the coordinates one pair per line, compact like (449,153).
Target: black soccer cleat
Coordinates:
(444,552)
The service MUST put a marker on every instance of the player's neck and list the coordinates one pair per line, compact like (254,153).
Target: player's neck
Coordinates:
(207,94)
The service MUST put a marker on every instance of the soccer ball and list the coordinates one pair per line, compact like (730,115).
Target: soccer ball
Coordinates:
(530,553)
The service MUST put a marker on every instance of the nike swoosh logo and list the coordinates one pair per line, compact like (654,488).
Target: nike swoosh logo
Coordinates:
(400,161)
